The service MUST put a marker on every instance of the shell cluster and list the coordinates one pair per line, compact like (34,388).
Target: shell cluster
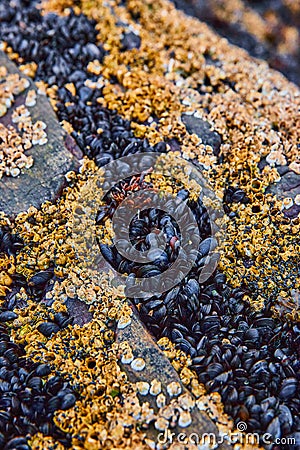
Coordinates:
(267,30)
(123,80)
(145,229)
(23,133)
(30,393)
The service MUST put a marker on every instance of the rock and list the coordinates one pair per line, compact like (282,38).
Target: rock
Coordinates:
(130,41)
(203,130)
(45,179)
(289,183)
(233,24)
(79,311)
(159,367)
(287,187)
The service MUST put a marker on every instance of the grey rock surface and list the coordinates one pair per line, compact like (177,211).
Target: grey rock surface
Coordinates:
(287,187)
(159,367)
(45,179)
(203,130)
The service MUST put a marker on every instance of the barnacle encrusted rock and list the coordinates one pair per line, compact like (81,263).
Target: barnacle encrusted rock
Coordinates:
(162,378)
(49,157)
(267,29)
(194,124)
(180,87)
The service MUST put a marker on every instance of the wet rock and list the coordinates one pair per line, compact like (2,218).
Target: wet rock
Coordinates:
(287,187)
(79,311)
(130,41)
(158,367)
(45,179)
(203,130)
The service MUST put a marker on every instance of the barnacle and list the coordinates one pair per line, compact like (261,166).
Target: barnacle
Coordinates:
(16,140)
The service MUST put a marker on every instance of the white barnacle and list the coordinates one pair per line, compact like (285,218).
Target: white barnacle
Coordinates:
(42,141)
(155,387)
(15,172)
(287,202)
(185,419)
(138,364)
(143,387)
(123,322)
(161,424)
(127,358)
(297,200)
(174,389)
(161,400)
(186,402)
(31,98)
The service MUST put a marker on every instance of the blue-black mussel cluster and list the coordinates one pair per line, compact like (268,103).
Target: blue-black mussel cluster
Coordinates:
(29,392)
(147,228)
(61,46)
(249,357)
(27,400)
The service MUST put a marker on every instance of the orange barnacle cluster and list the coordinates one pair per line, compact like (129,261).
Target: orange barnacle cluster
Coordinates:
(7,268)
